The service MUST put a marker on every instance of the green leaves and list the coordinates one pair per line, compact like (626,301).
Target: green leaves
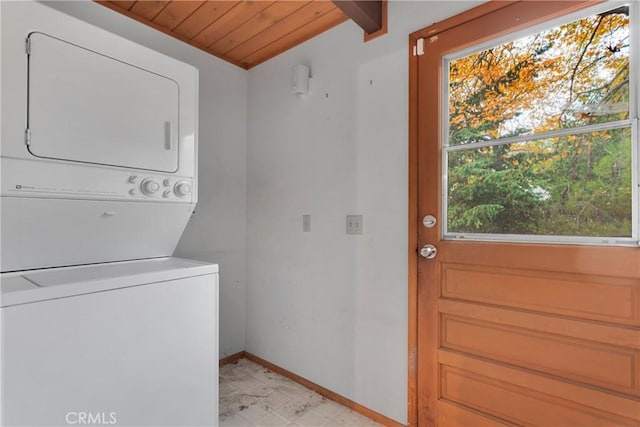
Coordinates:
(566,77)
(575,185)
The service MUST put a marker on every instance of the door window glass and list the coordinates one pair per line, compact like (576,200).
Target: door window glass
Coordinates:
(540,135)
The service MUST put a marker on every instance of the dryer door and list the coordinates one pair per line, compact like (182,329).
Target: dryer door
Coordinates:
(91,108)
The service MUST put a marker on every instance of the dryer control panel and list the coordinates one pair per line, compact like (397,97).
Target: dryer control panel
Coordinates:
(149,186)
(93,115)
(21,178)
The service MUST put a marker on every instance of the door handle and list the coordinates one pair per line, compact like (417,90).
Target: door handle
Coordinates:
(168,135)
(428,252)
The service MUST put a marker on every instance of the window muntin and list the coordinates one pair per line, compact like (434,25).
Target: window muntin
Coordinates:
(530,115)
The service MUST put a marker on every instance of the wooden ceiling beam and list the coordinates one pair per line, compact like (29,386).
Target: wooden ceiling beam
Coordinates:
(366,13)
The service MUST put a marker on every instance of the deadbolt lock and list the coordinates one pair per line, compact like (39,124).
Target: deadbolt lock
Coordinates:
(429,221)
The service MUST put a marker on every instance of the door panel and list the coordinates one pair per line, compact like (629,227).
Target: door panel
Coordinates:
(590,297)
(520,405)
(620,406)
(581,360)
(452,415)
(88,107)
(551,325)
(527,334)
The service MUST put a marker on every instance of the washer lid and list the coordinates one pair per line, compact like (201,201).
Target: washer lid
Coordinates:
(16,284)
(38,285)
(88,107)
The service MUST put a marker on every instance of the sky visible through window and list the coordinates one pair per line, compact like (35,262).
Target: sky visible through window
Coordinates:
(571,77)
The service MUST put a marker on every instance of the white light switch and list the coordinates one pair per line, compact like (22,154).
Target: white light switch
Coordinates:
(306,223)
(354,224)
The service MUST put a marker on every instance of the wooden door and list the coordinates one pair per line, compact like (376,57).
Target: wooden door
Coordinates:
(512,333)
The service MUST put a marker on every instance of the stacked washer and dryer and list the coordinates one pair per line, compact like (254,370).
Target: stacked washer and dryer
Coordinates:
(100,324)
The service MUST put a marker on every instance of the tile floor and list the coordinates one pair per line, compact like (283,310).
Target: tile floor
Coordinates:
(252,395)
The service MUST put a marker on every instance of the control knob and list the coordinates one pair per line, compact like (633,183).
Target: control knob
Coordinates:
(182,188)
(149,186)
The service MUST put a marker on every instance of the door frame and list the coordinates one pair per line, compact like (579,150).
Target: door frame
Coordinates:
(414,297)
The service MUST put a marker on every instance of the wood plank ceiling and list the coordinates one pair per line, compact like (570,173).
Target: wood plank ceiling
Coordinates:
(245,33)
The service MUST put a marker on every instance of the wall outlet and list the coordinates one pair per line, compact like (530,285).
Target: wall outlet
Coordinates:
(306,223)
(354,224)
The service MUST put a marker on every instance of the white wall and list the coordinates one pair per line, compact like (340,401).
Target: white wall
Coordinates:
(328,306)
(217,230)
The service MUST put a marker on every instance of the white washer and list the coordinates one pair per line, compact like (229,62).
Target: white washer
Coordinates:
(127,343)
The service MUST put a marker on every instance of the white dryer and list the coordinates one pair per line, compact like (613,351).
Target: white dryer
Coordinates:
(99,140)
(98,162)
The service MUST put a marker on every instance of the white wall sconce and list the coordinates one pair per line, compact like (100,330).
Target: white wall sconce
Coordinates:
(300,80)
